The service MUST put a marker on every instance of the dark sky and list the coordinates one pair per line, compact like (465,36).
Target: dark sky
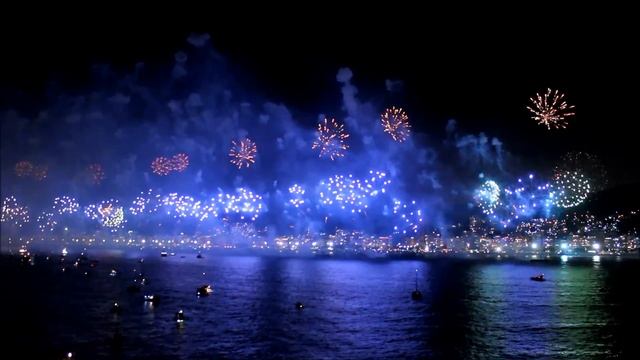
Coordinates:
(482,75)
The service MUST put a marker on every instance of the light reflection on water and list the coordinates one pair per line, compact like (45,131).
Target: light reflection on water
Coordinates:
(353,309)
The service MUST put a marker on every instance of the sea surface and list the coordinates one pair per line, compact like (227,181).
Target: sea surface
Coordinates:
(353,309)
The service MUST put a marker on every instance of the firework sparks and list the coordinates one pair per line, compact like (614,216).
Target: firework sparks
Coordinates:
(46,222)
(551,110)
(179,162)
(143,204)
(410,217)
(331,138)
(12,212)
(24,169)
(243,153)
(396,123)
(587,164)
(352,194)
(96,173)
(243,204)
(161,166)
(65,205)
(488,196)
(40,172)
(570,189)
(297,192)
(108,213)
(113,218)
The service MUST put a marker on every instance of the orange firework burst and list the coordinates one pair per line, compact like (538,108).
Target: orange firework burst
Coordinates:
(40,172)
(24,168)
(396,123)
(180,162)
(243,153)
(96,173)
(161,166)
(331,139)
(551,109)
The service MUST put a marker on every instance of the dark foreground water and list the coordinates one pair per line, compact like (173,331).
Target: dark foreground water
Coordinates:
(353,309)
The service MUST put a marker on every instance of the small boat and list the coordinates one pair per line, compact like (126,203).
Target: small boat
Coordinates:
(116,309)
(163,254)
(204,290)
(113,272)
(180,317)
(154,299)
(416,294)
(299,305)
(172,254)
(539,277)
(199,256)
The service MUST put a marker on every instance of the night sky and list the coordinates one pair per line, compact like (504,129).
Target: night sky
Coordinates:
(481,77)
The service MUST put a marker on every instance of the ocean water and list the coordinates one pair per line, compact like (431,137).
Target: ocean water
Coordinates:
(353,309)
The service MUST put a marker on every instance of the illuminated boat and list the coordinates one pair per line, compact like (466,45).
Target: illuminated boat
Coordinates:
(116,309)
(299,305)
(163,254)
(204,290)
(154,299)
(539,277)
(180,317)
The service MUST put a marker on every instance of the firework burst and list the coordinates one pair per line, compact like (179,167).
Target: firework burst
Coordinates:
(12,212)
(113,218)
(243,153)
(297,195)
(179,162)
(551,110)
(40,172)
(65,205)
(161,166)
(331,139)
(146,202)
(396,123)
(488,196)
(570,189)
(587,164)
(46,222)
(108,213)
(410,217)
(23,169)
(96,173)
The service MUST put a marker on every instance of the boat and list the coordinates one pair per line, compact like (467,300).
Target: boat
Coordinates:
(163,254)
(539,277)
(113,272)
(416,294)
(154,299)
(199,256)
(299,305)
(204,290)
(180,317)
(116,309)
